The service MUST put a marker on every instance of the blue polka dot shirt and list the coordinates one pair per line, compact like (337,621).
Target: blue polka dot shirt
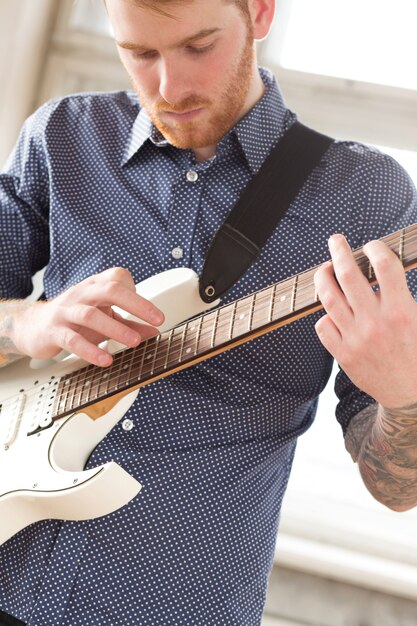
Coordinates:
(91,185)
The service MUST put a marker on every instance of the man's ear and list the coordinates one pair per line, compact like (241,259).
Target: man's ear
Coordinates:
(262,15)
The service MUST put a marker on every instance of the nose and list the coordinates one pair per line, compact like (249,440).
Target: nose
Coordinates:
(175,82)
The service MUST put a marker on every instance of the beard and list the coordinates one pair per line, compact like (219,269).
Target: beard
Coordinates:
(223,112)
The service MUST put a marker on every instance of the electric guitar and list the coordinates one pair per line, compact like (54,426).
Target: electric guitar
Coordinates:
(52,415)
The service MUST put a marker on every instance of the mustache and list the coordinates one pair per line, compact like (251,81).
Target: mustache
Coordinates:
(188,104)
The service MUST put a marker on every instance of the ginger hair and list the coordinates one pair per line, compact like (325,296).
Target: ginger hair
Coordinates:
(159,5)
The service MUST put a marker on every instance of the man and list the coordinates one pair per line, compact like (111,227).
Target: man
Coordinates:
(98,184)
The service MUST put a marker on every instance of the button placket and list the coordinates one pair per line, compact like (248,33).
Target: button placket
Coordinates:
(185,209)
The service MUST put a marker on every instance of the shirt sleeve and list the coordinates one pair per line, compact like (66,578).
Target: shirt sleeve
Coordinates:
(24,204)
(391,204)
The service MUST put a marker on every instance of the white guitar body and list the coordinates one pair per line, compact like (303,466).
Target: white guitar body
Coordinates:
(42,475)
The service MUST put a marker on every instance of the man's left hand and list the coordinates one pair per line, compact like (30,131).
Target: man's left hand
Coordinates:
(372,334)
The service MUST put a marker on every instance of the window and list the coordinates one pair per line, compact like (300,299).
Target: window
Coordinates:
(90,16)
(365,40)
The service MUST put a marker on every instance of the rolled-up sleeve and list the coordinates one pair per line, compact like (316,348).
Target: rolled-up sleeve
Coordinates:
(24,205)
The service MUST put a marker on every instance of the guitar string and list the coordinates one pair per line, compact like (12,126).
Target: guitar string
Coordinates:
(304,281)
(227,322)
(170,347)
(300,282)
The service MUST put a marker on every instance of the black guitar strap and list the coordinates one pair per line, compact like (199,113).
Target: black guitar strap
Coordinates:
(262,204)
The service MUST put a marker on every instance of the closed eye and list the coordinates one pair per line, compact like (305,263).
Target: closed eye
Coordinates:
(146,55)
(193,49)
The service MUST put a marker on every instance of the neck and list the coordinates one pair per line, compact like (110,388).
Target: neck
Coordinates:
(212,333)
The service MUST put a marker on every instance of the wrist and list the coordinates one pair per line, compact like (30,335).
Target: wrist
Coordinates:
(15,319)
(406,410)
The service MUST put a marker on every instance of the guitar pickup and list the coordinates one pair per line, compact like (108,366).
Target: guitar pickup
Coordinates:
(10,416)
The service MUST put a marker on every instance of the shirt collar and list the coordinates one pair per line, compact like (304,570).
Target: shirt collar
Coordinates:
(142,130)
(257,132)
(265,124)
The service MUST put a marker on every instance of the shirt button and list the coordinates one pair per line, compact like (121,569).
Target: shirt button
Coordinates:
(192,176)
(177,253)
(127,424)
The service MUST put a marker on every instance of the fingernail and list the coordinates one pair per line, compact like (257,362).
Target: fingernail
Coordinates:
(156,318)
(104,360)
(132,338)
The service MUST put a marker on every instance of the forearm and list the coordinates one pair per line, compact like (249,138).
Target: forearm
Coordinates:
(9,309)
(387,456)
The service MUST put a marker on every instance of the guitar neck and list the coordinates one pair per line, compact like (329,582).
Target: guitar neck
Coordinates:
(212,333)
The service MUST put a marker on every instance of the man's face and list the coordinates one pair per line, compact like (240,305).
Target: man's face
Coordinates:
(194,70)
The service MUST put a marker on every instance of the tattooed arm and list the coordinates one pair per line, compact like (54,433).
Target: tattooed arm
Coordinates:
(384,443)
(8,311)
(373,336)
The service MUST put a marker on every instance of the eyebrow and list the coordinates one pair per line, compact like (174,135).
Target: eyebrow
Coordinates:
(128,45)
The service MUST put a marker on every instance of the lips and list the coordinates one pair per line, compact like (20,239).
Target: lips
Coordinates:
(184,116)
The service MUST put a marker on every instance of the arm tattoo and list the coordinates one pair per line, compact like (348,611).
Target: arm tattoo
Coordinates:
(8,350)
(387,453)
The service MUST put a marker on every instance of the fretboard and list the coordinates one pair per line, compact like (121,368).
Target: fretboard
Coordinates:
(211,333)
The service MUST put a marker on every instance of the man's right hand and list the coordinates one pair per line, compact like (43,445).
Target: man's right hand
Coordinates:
(80,318)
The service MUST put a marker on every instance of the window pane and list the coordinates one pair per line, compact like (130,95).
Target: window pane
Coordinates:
(91,17)
(367,40)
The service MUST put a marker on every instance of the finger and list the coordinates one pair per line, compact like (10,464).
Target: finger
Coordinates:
(331,296)
(115,293)
(351,279)
(329,335)
(74,343)
(89,317)
(144,330)
(389,272)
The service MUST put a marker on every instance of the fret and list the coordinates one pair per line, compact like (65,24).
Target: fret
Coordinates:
(168,346)
(224,325)
(306,291)
(148,358)
(103,383)
(370,271)
(161,353)
(401,246)
(232,319)
(241,323)
(271,303)
(94,378)
(86,389)
(115,372)
(155,352)
(141,360)
(191,337)
(119,375)
(294,293)
(282,300)
(175,346)
(124,373)
(410,244)
(252,304)
(207,331)
(214,329)
(198,335)
(73,388)
(62,395)
(261,313)
(182,343)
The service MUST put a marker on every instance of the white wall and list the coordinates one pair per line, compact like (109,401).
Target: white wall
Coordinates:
(25,29)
